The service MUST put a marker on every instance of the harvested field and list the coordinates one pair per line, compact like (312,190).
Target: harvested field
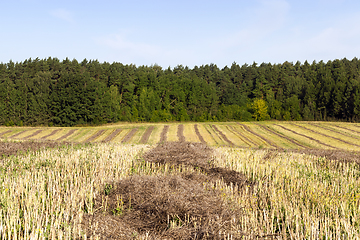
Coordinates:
(267,128)
(129,135)
(112,135)
(258,135)
(223,136)
(66,135)
(326,135)
(303,135)
(51,134)
(33,134)
(15,148)
(4,133)
(19,133)
(95,136)
(242,137)
(146,135)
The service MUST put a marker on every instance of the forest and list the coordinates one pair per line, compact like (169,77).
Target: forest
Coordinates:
(50,92)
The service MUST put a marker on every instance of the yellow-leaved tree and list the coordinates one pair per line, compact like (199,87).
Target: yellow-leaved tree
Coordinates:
(260,110)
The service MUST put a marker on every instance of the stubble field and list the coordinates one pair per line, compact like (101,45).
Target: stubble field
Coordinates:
(266,180)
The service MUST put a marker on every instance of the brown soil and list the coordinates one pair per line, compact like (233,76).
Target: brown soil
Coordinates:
(258,135)
(95,136)
(223,136)
(163,137)
(34,134)
(148,204)
(198,134)
(325,135)
(66,135)
(52,133)
(112,135)
(242,137)
(3,133)
(180,133)
(17,134)
(266,128)
(15,148)
(146,135)
(129,135)
(303,135)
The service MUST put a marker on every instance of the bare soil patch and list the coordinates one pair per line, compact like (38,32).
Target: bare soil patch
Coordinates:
(258,135)
(180,133)
(112,135)
(66,135)
(95,136)
(34,134)
(146,135)
(51,134)
(129,135)
(198,134)
(163,137)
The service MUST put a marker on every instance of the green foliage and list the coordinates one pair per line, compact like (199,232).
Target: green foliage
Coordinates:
(68,93)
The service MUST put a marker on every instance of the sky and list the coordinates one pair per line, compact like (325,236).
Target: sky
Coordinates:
(189,33)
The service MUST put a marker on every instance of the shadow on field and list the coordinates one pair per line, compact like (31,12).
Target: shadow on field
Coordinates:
(182,206)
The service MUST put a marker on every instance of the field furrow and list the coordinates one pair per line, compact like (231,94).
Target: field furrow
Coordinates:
(265,140)
(4,133)
(215,135)
(223,136)
(328,136)
(282,136)
(180,133)
(347,129)
(33,134)
(305,136)
(95,136)
(244,142)
(71,132)
(51,134)
(198,134)
(129,135)
(345,136)
(145,137)
(112,135)
(16,135)
(163,136)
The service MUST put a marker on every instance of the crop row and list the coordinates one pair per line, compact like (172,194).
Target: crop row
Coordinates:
(285,135)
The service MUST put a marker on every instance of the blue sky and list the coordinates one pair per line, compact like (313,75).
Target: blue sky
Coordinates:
(169,33)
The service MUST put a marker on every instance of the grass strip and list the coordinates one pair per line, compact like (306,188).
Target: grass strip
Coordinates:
(223,136)
(267,128)
(258,135)
(303,135)
(325,135)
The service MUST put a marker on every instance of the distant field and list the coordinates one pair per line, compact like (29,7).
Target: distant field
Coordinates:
(285,135)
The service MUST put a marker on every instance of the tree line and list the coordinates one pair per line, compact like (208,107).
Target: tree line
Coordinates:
(67,93)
